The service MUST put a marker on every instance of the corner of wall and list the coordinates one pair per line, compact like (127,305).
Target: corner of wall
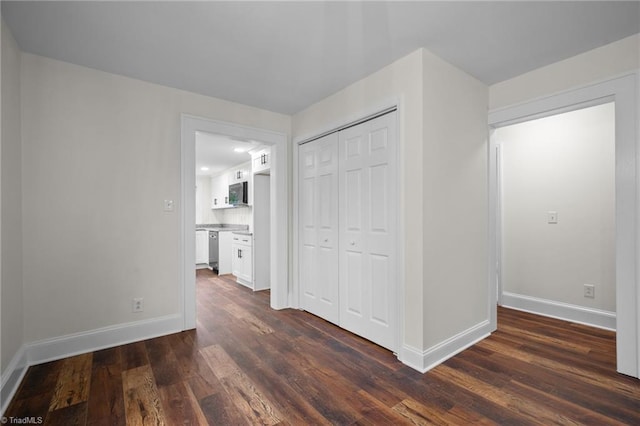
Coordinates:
(11,283)
(424,361)
(455,198)
(12,377)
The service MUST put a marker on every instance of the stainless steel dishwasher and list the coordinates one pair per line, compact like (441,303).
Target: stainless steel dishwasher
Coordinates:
(213,250)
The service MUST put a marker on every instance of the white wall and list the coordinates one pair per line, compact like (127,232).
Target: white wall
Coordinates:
(563,163)
(103,152)
(454,201)
(443,163)
(595,65)
(12,319)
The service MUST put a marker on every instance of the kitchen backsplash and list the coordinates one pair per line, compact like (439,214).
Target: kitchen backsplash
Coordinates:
(239,215)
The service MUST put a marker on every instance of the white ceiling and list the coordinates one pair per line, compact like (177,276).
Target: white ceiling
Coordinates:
(217,153)
(284,56)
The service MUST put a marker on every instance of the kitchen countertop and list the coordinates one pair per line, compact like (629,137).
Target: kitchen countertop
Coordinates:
(233,228)
(243,233)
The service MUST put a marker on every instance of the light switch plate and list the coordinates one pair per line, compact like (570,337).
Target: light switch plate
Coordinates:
(168,205)
(552,217)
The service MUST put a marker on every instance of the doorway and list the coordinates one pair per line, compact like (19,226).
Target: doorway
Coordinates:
(557,206)
(279,201)
(623,93)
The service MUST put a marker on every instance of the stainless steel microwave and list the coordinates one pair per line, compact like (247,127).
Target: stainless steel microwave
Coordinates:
(239,194)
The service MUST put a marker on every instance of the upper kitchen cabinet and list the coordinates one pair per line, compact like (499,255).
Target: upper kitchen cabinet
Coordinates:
(240,173)
(261,161)
(220,191)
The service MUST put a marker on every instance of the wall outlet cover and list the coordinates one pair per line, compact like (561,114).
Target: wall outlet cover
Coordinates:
(590,291)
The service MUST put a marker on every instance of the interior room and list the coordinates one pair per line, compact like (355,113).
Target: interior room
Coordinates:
(565,162)
(319,212)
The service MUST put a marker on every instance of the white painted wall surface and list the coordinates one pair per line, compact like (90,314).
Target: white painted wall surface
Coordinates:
(595,65)
(454,201)
(400,82)
(103,152)
(12,318)
(563,163)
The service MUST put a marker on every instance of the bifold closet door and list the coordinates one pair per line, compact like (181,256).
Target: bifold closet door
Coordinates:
(367,220)
(318,227)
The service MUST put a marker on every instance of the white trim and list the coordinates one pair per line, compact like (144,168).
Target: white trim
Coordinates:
(515,112)
(400,225)
(624,91)
(61,347)
(564,311)
(280,200)
(358,116)
(12,377)
(424,361)
(350,124)
(89,341)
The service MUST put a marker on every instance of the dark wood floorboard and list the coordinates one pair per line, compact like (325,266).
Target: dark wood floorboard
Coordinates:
(246,364)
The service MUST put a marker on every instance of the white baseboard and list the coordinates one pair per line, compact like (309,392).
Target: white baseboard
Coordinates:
(424,361)
(12,377)
(56,348)
(564,311)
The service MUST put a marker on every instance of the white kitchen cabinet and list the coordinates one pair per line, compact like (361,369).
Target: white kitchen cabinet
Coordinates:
(220,191)
(261,161)
(261,232)
(202,247)
(240,173)
(242,259)
(224,252)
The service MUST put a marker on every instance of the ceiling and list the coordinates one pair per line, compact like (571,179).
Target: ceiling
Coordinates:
(218,153)
(284,56)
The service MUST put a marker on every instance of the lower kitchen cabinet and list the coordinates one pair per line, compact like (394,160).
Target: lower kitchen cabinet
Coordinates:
(202,247)
(224,252)
(242,259)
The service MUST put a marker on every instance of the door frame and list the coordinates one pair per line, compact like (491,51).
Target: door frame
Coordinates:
(624,91)
(279,202)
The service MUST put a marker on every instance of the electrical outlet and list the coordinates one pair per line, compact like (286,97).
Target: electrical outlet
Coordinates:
(137,304)
(590,291)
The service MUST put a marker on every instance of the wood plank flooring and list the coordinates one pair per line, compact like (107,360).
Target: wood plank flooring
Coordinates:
(246,364)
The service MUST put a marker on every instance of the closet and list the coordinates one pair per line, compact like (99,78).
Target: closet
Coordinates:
(347,215)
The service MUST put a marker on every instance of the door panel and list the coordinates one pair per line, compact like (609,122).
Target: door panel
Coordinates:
(380,289)
(347,228)
(367,173)
(318,227)
(353,284)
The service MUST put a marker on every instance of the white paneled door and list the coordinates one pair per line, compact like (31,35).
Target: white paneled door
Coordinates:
(318,221)
(368,205)
(348,210)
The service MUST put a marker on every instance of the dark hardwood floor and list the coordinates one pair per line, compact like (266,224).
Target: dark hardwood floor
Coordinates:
(247,364)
